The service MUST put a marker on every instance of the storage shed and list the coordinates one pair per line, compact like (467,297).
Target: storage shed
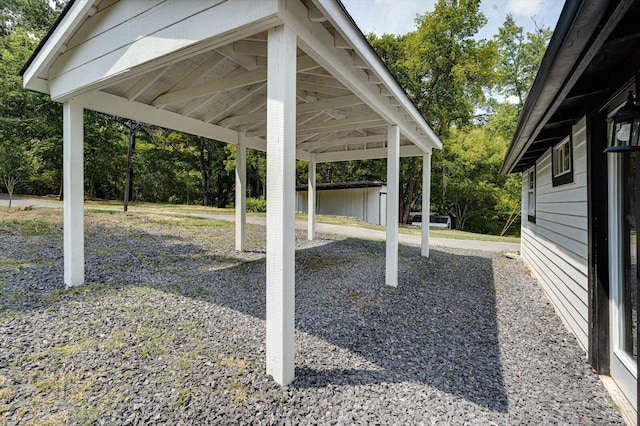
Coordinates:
(294,78)
(366,201)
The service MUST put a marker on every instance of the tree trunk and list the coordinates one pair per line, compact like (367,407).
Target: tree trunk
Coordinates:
(10,182)
(61,193)
(409,191)
(134,128)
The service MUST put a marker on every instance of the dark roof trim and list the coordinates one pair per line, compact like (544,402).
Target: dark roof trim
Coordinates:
(343,185)
(47,36)
(571,48)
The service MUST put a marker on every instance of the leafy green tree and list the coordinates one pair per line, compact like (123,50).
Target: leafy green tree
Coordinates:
(520,54)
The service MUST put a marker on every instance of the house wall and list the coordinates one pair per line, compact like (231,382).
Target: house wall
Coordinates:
(555,246)
(362,203)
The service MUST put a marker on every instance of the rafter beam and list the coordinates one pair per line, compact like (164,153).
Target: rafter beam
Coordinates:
(247,61)
(250,47)
(343,141)
(366,154)
(213,60)
(231,101)
(226,83)
(341,102)
(352,123)
(143,83)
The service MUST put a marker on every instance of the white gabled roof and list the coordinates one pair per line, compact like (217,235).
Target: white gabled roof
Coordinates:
(200,67)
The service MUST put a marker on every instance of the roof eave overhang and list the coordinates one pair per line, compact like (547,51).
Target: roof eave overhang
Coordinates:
(576,39)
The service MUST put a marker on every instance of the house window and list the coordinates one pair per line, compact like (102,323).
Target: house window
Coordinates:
(562,159)
(531,198)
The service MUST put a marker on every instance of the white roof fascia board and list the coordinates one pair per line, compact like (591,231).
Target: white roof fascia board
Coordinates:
(349,31)
(32,78)
(368,154)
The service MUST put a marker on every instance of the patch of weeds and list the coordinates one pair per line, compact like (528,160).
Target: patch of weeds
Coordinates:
(79,391)
(316,263)
(234,363)
(196,292)
(5,408)
(5,392)
(240,396)
(57,295)
(280,399)
(243,267)
(184,398)
(87,415)
(90,415)
(182,362)
(118,340)
(50,420)
(6,315)
(363,302)
(152,342)
(28,358)
(372,253)
(74,348)
(27,227)
(45,384)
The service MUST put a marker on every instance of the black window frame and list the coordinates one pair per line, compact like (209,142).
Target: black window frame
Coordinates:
(532,218)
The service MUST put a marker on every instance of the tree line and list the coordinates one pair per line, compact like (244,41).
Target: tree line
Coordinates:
(470,91)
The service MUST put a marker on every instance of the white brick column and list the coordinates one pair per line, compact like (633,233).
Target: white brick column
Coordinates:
(311,199)
(73,192)
(426,202)
(281,192)
(393,204)
(241,192)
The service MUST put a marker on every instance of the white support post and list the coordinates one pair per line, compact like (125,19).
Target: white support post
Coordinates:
(311,200)
(241,192)
(281,191)
(393,204)
(73,192)
(426,202)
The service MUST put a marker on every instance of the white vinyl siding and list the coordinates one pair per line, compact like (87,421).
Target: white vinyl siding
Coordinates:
(362,203)
(555,246)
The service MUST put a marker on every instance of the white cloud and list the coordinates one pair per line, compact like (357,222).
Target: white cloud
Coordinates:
(512,100)
(526,8)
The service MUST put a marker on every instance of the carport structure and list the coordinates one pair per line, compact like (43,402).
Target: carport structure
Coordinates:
(294,78)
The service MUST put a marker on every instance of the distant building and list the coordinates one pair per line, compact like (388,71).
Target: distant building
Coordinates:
(366,201)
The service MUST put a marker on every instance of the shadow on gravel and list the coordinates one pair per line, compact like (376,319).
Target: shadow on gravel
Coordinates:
(439,327)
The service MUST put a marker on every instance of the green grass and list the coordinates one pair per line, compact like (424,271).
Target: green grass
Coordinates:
(409,229)
(29,227)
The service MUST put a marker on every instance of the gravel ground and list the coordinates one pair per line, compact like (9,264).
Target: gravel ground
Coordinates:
(170,330)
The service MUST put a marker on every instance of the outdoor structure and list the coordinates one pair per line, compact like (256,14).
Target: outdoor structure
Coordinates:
(294,78)
(579,203)
(366,201)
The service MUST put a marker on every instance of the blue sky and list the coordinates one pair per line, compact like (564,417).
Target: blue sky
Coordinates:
(397,16)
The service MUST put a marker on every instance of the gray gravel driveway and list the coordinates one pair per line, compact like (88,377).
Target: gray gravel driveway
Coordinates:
(170,330)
